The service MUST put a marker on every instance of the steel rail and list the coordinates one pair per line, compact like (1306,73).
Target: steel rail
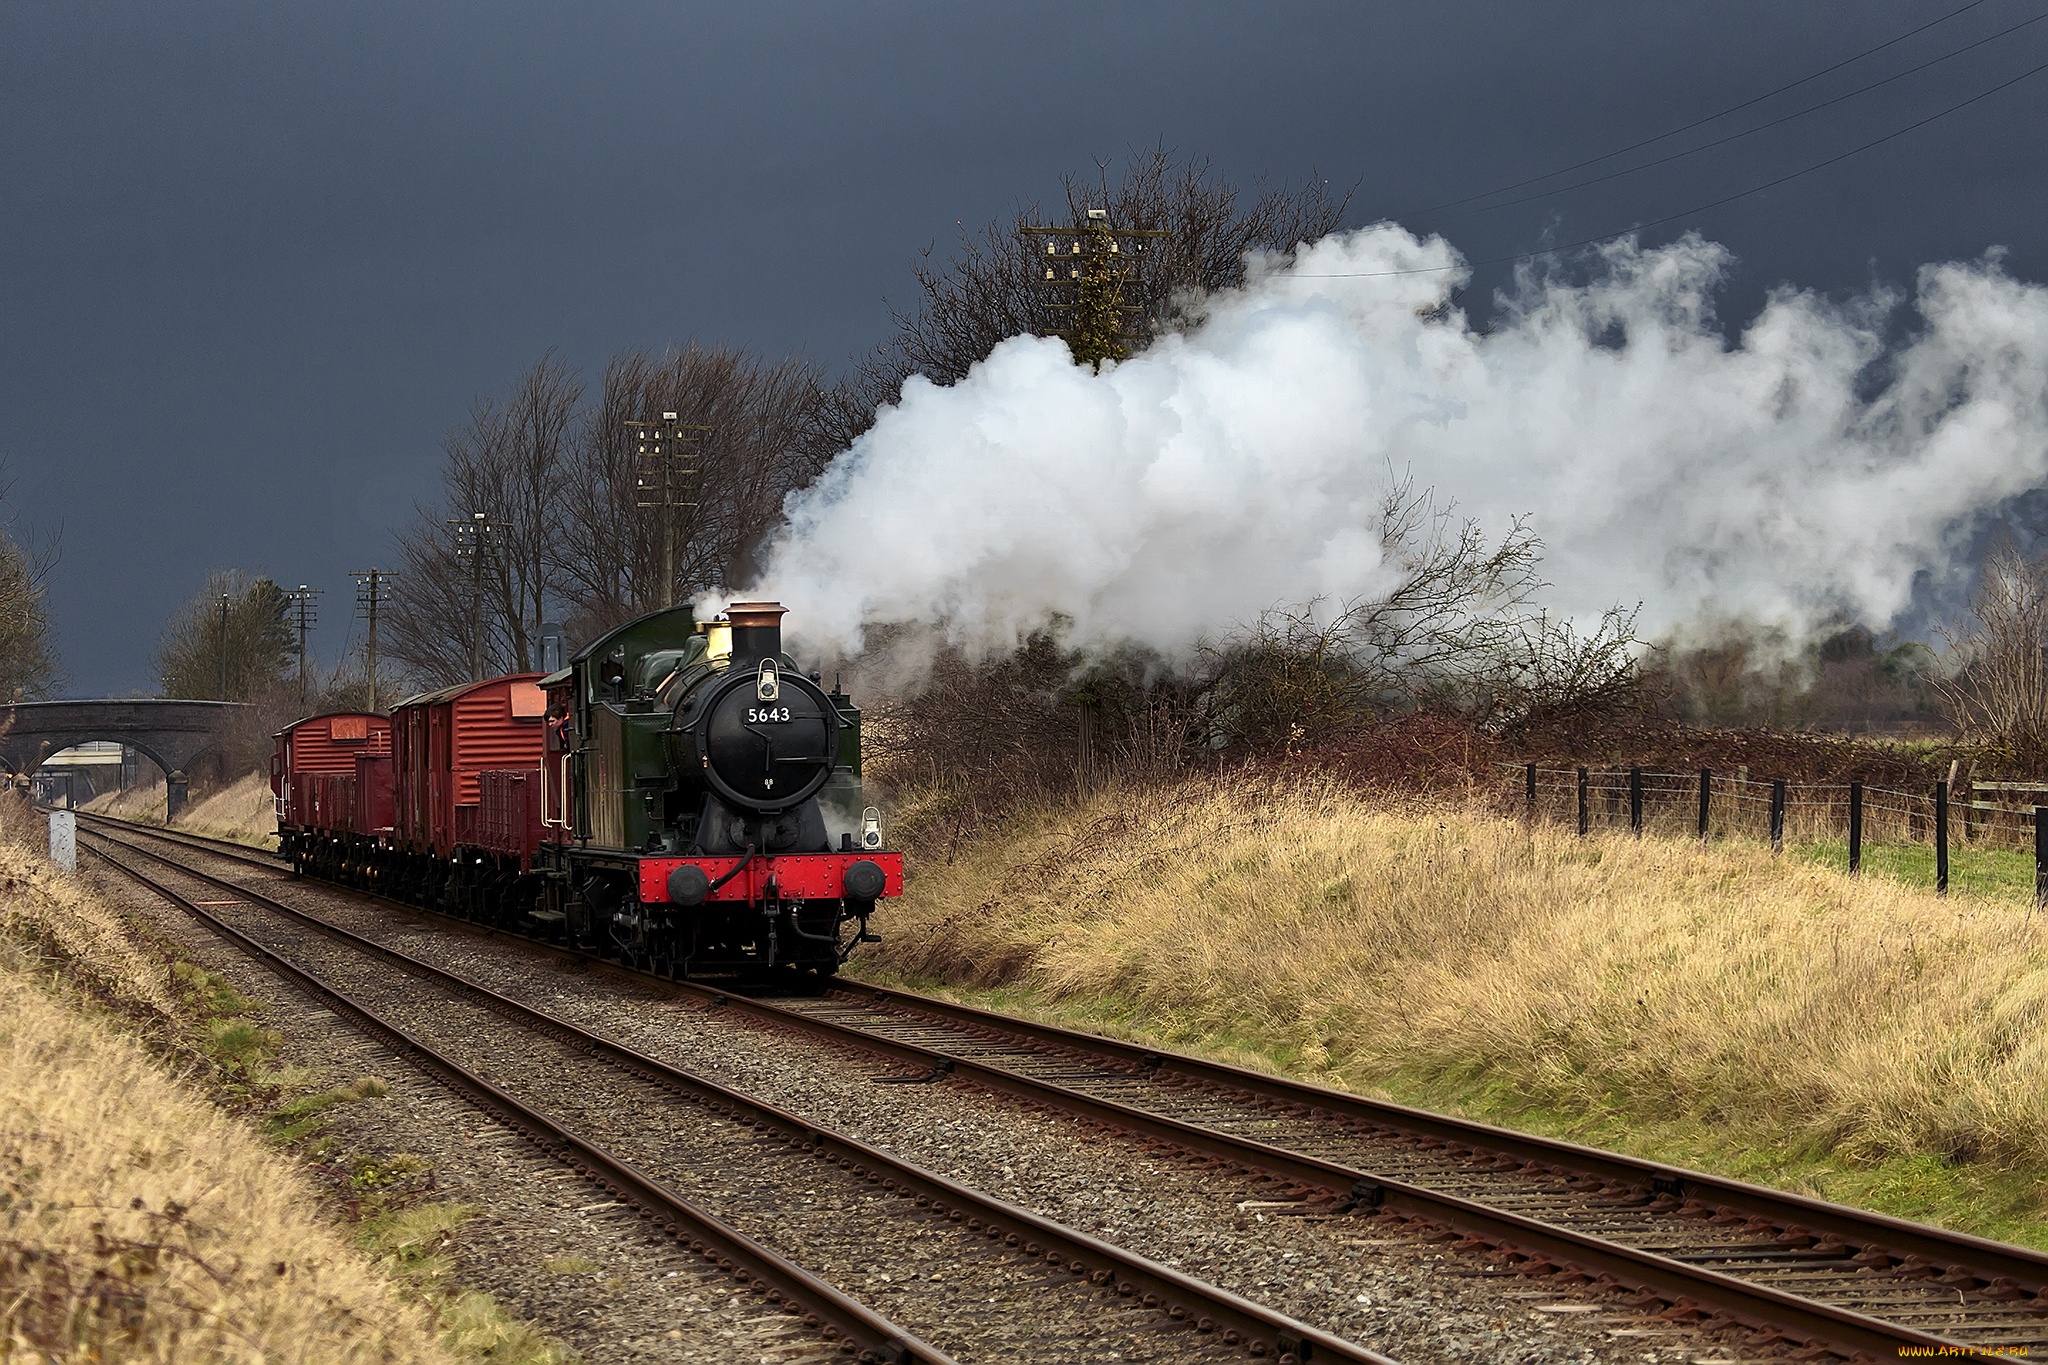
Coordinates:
(1759,1307)
(1754,1305)
(2023,1265)
(1210,1307)
(833,1313)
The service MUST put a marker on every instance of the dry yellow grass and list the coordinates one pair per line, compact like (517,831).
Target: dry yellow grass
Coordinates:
(243,811)
(1449,951)
(137,1222)
(52,918)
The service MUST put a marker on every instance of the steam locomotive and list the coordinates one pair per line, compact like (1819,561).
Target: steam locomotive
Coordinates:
(681,796)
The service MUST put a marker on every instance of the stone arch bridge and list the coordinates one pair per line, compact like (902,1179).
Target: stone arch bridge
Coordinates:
(170,733)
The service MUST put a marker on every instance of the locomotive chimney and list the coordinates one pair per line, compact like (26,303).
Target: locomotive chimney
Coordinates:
(756,631)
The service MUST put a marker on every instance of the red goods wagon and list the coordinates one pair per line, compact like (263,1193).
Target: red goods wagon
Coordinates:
(371,815)
(330,800)
(508,814)
(409,771)
(446,739)
(315,746)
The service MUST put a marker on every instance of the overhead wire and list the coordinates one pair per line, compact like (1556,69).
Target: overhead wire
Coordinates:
(1684,213)
(1758,128)
(1700,122)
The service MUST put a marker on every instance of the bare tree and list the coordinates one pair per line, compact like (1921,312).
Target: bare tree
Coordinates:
(28,657)
(511,464)
(1998,688)
(774,426)
(28,660)
(993,286)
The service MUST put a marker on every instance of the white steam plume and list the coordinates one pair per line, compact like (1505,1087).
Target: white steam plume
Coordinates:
(1240,466)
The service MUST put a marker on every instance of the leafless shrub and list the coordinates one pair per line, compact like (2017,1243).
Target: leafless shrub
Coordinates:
(1550,672)
(1450,631)
(1998,689)
(28,657)
(1441,633)
(1002,729)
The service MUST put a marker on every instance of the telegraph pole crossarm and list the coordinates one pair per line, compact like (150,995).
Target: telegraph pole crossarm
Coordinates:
(225,600)
(662,480)
(477,538)
(306,612)
(373,592)
(1093,263)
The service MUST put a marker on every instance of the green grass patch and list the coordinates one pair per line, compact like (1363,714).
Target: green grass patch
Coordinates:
(372,1173)
(1973,870)
(414,1241)
(415,1246)
(239,1045)
(209,994)
(298,1118)
(475,1327)
(570,1265)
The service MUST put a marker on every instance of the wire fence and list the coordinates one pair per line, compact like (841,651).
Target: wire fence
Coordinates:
(1988,838)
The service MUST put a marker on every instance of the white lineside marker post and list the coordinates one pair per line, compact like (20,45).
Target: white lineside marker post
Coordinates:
(64,840)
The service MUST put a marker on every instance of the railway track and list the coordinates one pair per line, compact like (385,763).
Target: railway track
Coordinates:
(786,1189)
(1807,1272)
(1967,1291)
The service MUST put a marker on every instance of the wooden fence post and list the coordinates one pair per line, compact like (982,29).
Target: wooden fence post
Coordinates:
(1706,797)
(1084,756)
(1584,813)
(1778,815)
(1941,838)
(1635,801)
(1855,827)
(2040,855)
(1531,788)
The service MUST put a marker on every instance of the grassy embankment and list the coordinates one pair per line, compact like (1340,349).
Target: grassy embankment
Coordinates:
(242,811)
(1767,1018)
(141,1220)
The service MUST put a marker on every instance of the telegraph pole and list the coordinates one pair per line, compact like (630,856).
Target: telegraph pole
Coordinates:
(477,539)
(373,590)
(1093,265)
(224,599)
(306,612)
(663,480)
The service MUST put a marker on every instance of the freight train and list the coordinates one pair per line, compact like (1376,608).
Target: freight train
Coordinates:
(681,796)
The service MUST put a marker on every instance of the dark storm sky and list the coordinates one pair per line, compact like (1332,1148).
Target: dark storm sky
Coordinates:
(260,257)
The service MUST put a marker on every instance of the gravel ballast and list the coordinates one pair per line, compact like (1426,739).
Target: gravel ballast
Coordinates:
(1352,1276)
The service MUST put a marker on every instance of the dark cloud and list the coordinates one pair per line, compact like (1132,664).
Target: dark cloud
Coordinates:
(260,257)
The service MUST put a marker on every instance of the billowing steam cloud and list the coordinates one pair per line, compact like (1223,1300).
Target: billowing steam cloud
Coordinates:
(1802,471)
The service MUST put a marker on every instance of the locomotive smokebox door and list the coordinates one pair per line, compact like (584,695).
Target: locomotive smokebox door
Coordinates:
(766,753)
